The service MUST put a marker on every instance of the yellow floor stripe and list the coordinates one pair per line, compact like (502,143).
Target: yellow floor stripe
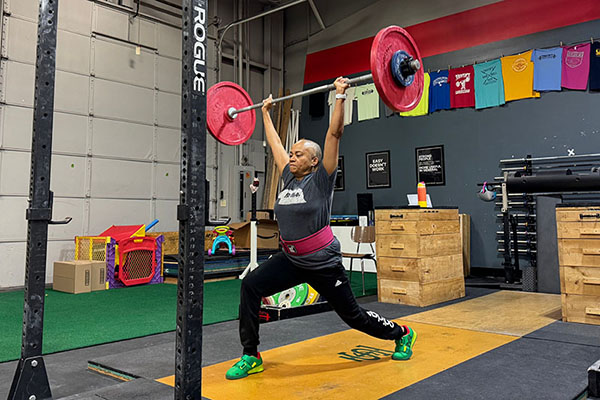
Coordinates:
(348,364)
(167,380)
(504,312)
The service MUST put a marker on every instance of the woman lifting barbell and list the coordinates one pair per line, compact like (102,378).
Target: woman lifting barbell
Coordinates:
(311,253)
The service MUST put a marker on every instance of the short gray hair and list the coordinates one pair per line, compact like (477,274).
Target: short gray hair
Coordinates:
(314,147)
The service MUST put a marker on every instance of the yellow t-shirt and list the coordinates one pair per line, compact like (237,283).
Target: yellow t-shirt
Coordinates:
(517,73)
(423,107)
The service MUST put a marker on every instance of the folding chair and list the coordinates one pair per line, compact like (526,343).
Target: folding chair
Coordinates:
(362,234)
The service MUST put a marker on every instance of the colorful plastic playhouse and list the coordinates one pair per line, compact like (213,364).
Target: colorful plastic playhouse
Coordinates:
(132,258)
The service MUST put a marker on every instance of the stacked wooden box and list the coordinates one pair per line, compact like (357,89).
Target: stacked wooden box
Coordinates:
(578,231)
(419,256)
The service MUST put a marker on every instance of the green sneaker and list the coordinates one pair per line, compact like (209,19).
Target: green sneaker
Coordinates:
(246,366)
(404,345)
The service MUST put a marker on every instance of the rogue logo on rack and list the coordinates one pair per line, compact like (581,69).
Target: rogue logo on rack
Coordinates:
(199,50)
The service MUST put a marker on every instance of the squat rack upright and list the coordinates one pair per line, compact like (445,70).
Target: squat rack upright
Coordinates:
(30,381)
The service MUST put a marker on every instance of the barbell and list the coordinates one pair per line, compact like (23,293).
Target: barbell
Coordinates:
(396,71)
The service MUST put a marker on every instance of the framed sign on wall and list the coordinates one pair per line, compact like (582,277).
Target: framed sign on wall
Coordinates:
(378,170)
(339,178)
(430,165)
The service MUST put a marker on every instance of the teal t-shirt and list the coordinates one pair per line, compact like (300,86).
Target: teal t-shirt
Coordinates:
(489,86)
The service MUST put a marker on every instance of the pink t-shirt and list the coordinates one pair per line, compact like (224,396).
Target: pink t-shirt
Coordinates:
(576,66)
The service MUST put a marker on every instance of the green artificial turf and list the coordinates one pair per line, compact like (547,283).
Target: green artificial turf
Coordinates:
(78,320)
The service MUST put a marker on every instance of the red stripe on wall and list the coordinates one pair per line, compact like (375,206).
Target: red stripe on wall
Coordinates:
(338,61)
(499,21)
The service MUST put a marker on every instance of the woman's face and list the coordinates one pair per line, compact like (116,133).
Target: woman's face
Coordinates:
(302,160)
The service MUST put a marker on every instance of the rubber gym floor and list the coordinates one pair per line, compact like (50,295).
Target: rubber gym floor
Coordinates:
(488,345)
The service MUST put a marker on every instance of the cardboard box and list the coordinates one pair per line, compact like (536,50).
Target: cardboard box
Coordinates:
(98,271)
(171,242)
(208,239)
(268,234)
(72,276)
(259,215)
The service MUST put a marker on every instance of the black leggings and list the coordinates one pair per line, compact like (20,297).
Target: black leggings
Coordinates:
(279,273)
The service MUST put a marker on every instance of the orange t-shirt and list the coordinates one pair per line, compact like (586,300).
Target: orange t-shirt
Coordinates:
(517,72)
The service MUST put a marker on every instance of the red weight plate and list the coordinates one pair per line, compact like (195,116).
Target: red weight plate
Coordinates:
(219,99)
(386,43)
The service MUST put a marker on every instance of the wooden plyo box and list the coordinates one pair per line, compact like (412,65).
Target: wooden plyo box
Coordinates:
(465,233)
(423,270)
(420,294)
(581,308)
(578,231)
(419,256)
(417,246)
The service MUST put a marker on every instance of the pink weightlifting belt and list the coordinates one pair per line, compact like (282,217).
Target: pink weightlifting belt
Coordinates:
(309,244)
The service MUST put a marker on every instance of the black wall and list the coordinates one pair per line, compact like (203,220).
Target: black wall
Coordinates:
(474,141)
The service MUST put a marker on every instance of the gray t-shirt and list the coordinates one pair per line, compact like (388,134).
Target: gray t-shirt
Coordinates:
(304,207)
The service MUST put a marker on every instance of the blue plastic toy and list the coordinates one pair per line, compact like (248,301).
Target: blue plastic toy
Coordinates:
(224,236)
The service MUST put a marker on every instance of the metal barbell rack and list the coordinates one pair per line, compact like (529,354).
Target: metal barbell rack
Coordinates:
(518,236)
(31,380)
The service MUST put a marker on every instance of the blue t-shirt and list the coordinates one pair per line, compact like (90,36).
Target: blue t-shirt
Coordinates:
(595,66)
(489,85)
(547,69)
(304,207)
(439,91)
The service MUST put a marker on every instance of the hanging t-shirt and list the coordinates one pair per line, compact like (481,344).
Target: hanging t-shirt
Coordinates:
(368,101)
(348,105)
(439,91)
(423,107)
(576,66)
(517,73)
(489,87)
(547,69)
(462,87)
(595,66)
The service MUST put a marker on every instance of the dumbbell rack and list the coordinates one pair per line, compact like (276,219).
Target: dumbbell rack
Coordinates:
(517,233)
